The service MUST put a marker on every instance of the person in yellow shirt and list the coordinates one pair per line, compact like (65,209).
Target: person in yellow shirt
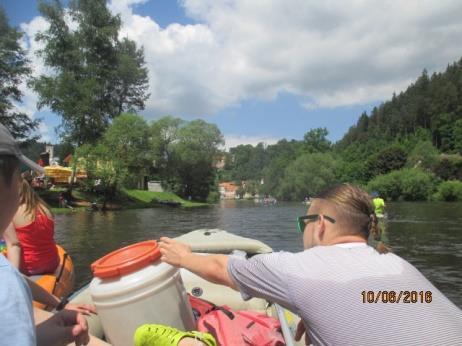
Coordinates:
(379,204)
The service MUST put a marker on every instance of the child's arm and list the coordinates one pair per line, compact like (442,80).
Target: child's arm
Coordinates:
(13,246)
(42,296)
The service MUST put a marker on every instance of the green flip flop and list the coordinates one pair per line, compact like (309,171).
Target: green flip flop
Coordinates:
(159,335)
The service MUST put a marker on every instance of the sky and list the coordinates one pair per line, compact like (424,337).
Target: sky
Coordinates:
(270,69)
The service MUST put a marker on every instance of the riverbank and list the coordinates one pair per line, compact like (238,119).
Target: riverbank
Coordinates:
(125,199)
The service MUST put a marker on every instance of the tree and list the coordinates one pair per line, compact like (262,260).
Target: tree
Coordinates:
(241,163)
(280,155)
(119,159)
(95,76)
(127,137)
(130,91)
(192,159)
(424,155)
(385,161)
(443,131)
(316,141)
(162,133)
(14,67)
(457,134)
(96,160)
(449,167)
(307,176)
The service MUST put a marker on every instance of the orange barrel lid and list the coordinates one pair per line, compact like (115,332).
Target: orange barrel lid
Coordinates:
(126,260)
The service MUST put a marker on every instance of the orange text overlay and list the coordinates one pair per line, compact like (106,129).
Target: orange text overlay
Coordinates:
(395,297)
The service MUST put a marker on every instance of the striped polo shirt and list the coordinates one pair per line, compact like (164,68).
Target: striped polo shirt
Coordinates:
(349,294)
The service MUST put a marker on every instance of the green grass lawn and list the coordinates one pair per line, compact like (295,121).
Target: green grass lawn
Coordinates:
(59,211)
(125,198)
(150,198)
(83,195)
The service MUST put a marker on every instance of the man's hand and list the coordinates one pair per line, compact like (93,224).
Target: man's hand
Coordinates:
(300,331)
(63,328)
(173,251)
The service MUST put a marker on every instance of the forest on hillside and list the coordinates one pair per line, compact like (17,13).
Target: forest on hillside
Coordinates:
(408,148)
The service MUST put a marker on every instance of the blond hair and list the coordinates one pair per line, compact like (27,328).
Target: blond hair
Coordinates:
(357,211)
(31,200)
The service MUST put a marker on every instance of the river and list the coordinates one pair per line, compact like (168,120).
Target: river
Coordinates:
(429,235)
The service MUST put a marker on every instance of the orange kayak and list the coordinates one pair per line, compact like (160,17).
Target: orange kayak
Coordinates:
(61,282)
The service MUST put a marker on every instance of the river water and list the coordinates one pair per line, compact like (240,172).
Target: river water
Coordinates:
(428,235)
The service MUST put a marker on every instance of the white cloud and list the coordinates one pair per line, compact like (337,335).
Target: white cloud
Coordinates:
(332,53)
(46,133)
(31,45)
(124,7)
(29,99)
(232,140)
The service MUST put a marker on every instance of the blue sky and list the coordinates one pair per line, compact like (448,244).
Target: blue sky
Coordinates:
(268,70)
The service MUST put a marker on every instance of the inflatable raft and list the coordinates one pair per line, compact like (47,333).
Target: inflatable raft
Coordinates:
(61,282)
(222,242)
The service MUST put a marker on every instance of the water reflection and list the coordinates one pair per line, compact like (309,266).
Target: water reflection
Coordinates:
(428,235)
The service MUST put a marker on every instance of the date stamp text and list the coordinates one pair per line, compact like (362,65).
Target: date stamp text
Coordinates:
(395,297)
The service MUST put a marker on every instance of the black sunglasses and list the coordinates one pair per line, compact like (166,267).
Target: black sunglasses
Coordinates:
(302,221)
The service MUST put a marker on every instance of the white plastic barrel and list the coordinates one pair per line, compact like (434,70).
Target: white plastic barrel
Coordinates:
(131,287)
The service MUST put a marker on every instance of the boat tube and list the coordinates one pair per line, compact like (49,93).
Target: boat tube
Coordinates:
(212,241)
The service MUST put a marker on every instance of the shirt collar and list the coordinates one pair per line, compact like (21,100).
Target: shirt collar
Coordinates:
(351,245)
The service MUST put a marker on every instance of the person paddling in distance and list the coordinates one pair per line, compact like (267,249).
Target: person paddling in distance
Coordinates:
(379,204)
(325,283)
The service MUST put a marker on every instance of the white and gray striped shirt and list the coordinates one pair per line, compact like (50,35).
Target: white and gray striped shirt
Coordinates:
(324,286)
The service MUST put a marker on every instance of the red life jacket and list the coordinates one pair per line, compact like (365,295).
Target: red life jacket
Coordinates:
(234,328)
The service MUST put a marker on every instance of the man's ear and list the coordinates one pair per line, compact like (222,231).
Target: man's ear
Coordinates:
(321,229)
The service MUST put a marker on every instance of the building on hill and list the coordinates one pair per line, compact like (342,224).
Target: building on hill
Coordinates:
(227,190)
(67,160)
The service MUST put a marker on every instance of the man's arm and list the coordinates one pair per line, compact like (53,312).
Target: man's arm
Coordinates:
(213,268)
(263,276)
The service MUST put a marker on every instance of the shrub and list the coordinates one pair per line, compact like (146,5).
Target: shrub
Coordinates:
(409,184)
(386,185)
(213,197)
(424,155)
(449,167)
(387,160)
(449,191)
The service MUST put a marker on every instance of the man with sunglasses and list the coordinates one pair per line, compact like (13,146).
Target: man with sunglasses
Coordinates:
(328,283)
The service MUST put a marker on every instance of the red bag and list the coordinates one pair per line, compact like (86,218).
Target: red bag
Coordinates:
(200,307)
(234,328)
